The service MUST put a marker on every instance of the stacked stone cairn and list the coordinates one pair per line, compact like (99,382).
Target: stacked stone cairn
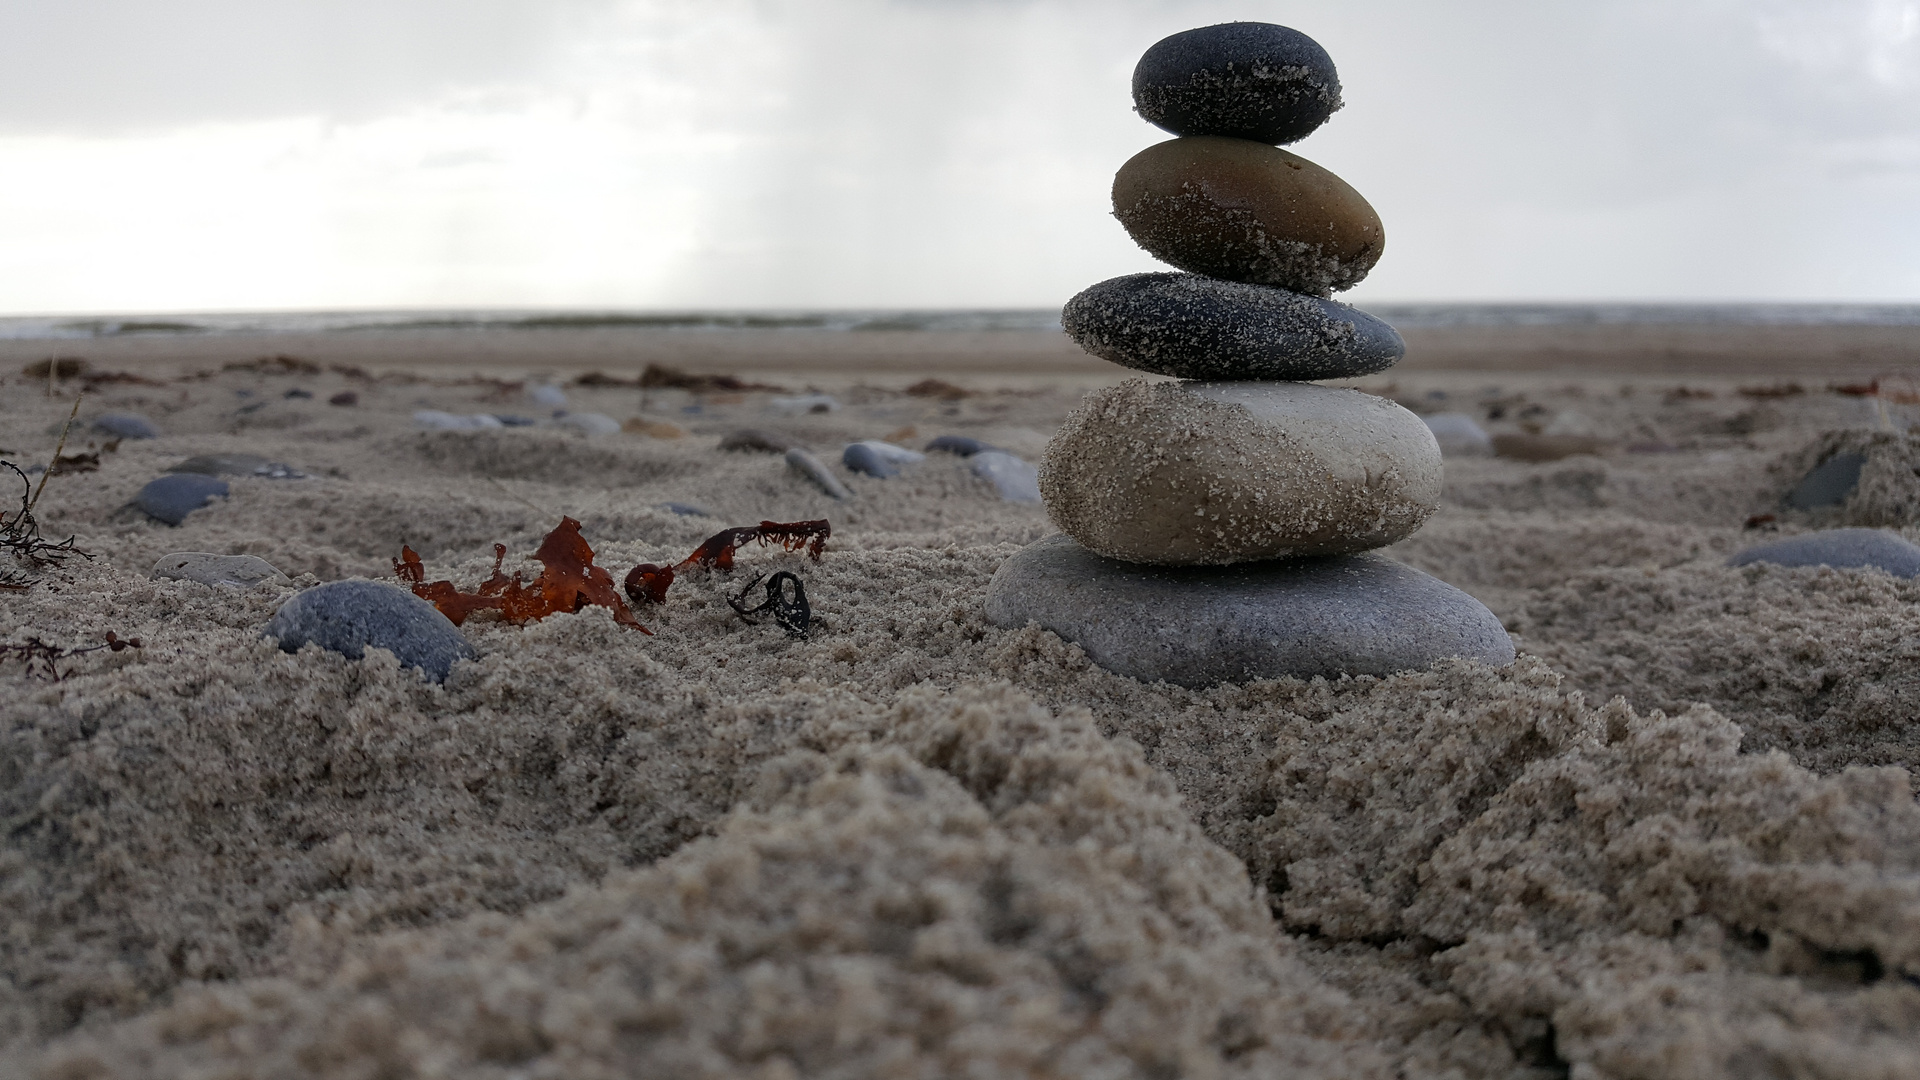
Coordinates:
(1221,527)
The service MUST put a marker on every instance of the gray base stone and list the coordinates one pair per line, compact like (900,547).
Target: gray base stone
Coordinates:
(1843,549)
(1198,626)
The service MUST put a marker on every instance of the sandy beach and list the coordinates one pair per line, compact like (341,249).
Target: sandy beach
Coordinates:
(1677,838)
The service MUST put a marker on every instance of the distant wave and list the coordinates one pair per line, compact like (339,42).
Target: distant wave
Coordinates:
(985,320)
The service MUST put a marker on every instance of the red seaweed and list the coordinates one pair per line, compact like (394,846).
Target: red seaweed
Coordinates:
(648,583)
(569,583)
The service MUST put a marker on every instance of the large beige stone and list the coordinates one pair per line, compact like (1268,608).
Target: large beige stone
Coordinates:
(1211,473)
(1246,211)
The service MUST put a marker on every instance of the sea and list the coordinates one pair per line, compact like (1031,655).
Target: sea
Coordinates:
(67,327)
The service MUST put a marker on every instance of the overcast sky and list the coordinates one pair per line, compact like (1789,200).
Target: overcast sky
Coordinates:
(216,155)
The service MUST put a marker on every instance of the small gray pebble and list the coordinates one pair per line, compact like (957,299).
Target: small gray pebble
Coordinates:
(898,455)
(1198,626)
(546,394)
(172,498)
(126,426)
(1829,483)
(803,403)
(962,445)
(814,469)
(1458,435)
(756,440)
(242,571)
(862,458)
(435,420)
(510,420)
(237,465)
(297,393)
(683,509)
(1015,479)
(588,423)
(1840,548)
(348,617)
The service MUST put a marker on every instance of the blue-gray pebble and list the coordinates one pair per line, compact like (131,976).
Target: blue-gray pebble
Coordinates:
(1195,327)
(1199,626)
(171,498)
(126,426)
(1829,483)
(865,459)
(348,617)
(1840,548)
(962,445)
(1243,80)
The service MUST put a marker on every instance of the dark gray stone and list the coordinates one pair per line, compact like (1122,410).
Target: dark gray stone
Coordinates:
(510,420)
(962,445)
(126,426)
(1841,548)
(683,509)
(1829,483)
(1198,626)
(757,441)
(1244,80)
(349,617)
(1195,327)
(172,498)
(237,465)
(862,458)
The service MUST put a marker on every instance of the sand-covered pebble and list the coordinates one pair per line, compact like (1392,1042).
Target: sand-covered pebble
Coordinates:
(1828,483)
(960,445)
(1246,211)
(757,441)
(588,423)
(1225,472)
(1013,478)
(435,420)
(349,617)
(1199,626)
(1197,327)
(171,498)
(1843,549)
(867,459)
(547,394)
(807,465)
(240,571)
(1246,80)
(1459,435)
(237,465)
(125,426)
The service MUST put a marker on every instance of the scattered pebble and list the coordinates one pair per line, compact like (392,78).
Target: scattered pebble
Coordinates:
(344,397)
(1539,448)
(349,617)
(863,458)
(237,465)
(899,455)
(654,429)
(435,420)
(240,571)
(963,445)
(1840,548)
(1230,208)
(1458,435)
(1244,80)
(547,394)
(801,404)
(1193,473)
(1829,484)
(1195,327)
(756,440)
(511,420)
(1014,478)
(172,498)
(298,394)
(1198,626)
(804,463)
(125,426)
(683,509)
(588,423)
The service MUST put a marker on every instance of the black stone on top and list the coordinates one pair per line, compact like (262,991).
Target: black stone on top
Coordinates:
(1195,327)
(1244,80)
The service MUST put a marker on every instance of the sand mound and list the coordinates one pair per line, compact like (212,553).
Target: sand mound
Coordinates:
(915,844)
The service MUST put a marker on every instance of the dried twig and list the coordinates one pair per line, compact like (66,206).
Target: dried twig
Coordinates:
(62,445)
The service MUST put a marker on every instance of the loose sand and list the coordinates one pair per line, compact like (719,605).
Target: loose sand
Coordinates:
(1676,839)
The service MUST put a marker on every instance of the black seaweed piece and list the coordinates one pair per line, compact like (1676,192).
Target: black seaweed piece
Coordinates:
(20,537)
(793,614)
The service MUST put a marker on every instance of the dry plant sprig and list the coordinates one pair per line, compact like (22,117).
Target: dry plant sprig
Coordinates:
(61,445)
(43,659)
(20,537)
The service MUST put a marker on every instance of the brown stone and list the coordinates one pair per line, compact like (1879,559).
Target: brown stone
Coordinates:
(1246,211)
